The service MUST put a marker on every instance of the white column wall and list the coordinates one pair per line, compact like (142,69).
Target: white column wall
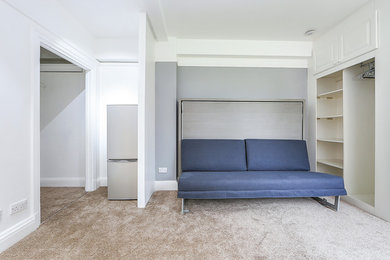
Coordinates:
(382,108)
(146,112)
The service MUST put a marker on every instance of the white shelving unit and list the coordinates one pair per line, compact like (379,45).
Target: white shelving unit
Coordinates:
(330,140)
(331,93)
(337,163)
(330,124)
(346,132)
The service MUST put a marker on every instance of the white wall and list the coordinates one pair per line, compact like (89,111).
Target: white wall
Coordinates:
(15,136)
(50,15)
(146,112)
(116,49)
(62,129)
(19,54)
(119,85)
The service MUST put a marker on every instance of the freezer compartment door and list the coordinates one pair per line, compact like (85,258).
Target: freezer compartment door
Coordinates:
(122,180)
(122,135)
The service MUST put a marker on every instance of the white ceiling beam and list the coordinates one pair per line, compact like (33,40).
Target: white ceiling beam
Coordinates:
(247,62)
(244,48)
(156,17)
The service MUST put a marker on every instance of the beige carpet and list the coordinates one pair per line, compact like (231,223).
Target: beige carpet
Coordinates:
(95,228)
(53,199)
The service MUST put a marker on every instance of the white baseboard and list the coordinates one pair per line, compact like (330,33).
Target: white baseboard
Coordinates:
(102,182)
(158,185)
(364,206)
(63,182)
(18,231)
(165,185)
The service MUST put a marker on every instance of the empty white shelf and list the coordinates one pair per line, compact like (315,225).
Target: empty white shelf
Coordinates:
(331,140)
(331,93)
(337,163)
(330,117)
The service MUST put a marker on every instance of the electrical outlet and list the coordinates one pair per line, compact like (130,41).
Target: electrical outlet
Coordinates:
(18,207)
(163,170)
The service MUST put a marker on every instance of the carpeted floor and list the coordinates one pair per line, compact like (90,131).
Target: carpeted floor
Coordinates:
(53,199)
(95,228)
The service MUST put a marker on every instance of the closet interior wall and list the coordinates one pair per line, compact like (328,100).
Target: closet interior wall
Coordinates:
(359,130)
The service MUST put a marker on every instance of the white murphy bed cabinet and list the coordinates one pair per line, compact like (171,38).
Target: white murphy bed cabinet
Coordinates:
(346,106)
(354,36)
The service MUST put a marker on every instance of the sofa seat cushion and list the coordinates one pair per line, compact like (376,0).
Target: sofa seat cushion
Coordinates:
(213,155)
(259,180)
(277,155)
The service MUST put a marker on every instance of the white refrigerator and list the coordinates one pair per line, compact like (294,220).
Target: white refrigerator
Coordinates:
(122,152)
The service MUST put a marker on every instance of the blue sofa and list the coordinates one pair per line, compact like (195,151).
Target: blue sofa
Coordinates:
(252,168)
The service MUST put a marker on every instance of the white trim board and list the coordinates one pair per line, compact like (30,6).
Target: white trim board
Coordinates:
(63,182)
(18,231)
(360,204)
(247,62)
(158,185)
(60,68)
(165,185)
(235,53)
(244,48)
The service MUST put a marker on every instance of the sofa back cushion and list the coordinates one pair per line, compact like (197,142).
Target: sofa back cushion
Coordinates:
(213,155)
(277,155)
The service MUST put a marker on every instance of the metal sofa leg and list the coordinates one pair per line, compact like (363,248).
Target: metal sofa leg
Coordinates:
(183,211)
(325,203)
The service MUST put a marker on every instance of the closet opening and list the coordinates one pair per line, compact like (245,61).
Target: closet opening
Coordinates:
(360,131)
(62,133)
(346,129)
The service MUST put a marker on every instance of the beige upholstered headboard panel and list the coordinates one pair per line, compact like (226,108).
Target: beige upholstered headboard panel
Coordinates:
(241,120)
(236,119)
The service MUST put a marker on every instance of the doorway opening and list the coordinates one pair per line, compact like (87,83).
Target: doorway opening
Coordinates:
(62,133)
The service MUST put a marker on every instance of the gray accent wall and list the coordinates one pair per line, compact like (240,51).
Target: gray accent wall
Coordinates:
(241,83)
(174,82)
(166,119)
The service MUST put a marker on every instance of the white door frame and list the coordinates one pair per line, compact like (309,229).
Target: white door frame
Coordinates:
(59,46)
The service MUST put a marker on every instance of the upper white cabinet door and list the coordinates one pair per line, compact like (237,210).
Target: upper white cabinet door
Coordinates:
(358,35)
(326,52)
(354,36)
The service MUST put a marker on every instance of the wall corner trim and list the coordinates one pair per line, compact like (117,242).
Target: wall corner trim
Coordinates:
(165,185)
(18,231)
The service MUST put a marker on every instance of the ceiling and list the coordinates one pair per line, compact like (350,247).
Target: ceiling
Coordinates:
(107,18)
(212,19)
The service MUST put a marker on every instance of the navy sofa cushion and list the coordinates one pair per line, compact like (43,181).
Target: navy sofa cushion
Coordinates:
(253,194)
(213,155)
(258,180)
(254,184)
(277,155)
